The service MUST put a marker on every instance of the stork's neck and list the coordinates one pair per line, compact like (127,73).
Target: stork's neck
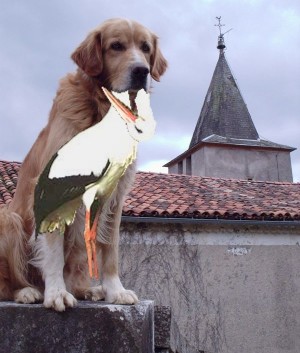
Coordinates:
(113,125)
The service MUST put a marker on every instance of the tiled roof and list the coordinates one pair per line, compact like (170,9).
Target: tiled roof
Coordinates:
(8,180)
(168,195)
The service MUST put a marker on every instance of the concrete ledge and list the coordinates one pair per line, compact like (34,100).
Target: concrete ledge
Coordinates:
(95,327)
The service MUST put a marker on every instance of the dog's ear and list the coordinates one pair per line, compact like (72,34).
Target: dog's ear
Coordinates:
(88,56)
(158,64)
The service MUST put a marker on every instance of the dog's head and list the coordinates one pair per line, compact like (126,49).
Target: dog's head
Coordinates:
(123,54)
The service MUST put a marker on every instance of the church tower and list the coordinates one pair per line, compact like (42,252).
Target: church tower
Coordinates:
(225,143)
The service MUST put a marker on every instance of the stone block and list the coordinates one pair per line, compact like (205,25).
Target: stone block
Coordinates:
(162,327)
(95,327)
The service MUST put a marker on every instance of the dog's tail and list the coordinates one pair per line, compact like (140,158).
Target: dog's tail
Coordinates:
(13,258)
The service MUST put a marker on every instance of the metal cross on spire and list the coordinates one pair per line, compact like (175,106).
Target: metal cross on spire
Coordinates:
(221,43)
(219,24)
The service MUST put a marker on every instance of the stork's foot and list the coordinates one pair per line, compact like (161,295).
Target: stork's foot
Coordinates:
(95,293)
(28,295)
(116,293)
(59,299)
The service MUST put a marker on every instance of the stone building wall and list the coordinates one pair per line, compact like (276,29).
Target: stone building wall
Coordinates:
(232,289)
(237,163)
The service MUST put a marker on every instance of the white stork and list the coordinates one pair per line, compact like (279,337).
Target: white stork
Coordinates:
(88,168)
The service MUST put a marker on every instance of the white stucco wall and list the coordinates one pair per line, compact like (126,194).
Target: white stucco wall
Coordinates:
(232,289)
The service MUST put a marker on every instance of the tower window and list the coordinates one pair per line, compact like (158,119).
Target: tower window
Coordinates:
(189,165)
(180,167)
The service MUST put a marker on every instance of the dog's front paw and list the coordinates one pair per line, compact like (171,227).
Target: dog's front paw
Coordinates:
(116,293)
(94,293)
(123,296)
(28,295)
(58,299)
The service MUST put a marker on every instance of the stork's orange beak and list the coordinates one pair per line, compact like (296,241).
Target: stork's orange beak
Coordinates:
(125,112)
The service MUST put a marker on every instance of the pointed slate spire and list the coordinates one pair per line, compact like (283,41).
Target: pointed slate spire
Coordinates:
(224,112)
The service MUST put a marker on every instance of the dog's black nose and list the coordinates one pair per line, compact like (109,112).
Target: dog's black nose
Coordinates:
(139,75)
(140,72)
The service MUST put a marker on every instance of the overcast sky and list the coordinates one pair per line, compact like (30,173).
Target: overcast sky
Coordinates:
(263,51)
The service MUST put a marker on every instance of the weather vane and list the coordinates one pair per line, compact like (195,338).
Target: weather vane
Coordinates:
(221,44)
(219,24)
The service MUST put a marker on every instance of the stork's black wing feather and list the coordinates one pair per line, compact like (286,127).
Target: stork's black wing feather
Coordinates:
(50,194)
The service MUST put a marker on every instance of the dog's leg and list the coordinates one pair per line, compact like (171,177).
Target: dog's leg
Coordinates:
(112,286)
(50,259)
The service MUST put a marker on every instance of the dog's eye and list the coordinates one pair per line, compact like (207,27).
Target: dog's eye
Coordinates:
(145,47)
(117,46)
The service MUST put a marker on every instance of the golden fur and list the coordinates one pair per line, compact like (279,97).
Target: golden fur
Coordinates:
(107,57)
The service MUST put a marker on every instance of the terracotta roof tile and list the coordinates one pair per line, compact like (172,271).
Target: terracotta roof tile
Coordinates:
(169,195)
(198,197)
(8,180)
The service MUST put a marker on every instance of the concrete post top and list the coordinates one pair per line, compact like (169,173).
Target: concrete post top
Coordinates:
(88,327)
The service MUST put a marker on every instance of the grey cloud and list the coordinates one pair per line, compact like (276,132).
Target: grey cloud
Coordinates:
(37,39)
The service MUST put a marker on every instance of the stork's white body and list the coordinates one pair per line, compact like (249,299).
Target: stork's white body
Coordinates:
(111,139)
(90,165)
(89,151)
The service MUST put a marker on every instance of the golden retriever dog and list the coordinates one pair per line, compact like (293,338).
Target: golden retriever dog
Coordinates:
(120,55)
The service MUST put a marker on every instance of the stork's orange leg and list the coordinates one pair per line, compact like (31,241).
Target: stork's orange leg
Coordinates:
(90,243)
(87,238)
(93,237)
